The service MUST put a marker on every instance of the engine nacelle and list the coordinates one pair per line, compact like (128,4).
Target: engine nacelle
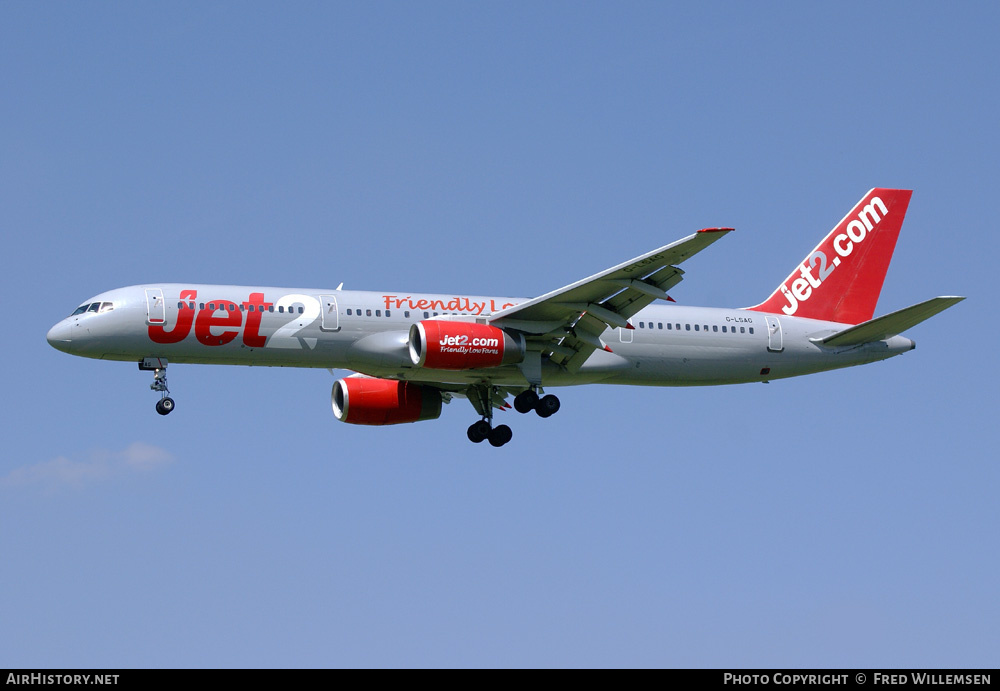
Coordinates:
(438,344)
(367,401)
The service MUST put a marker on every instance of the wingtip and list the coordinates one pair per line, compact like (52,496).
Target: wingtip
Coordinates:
(716,230)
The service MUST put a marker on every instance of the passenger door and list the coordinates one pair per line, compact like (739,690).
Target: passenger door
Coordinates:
(331,316)
(156,310)
(774,339)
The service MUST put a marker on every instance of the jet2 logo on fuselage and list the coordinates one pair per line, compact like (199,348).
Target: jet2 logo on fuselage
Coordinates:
(219,322)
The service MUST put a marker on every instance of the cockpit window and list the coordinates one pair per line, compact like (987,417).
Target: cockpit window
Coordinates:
(94,307)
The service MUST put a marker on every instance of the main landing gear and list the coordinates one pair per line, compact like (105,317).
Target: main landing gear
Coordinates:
(483,430)
(159,369)
(524,402)
(528,400)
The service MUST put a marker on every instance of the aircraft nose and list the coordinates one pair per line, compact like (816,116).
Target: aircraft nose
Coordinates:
(59,336)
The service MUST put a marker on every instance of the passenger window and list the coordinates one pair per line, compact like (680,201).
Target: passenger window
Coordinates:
(211,305)
(715,328)
(426,315)
(751,329)
(642,325)
(378,313)
(348,311)
(742,330)
(660,325)
(191,305)
(387,313)
(723,329)
(406,314)
(180,305)
(687,327)
(368,313)
(301,310)
(270,308)
(281,309)
(695,327)
(669,326)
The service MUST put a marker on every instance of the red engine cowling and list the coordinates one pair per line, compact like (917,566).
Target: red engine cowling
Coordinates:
(450,345)
(367,401)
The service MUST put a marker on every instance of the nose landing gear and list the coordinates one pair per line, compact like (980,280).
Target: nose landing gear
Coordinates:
(159,369)
(165,405)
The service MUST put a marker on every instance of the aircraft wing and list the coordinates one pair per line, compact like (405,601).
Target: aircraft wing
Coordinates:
(567,323)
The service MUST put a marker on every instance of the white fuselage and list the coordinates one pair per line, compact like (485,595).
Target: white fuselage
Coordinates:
(367,332)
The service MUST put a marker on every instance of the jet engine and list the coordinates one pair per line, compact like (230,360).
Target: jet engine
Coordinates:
(449,345)
(369,401)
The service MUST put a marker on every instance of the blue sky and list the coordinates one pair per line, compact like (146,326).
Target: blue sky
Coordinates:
(844,519)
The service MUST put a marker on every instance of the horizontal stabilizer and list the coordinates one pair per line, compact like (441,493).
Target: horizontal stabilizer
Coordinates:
(891,324)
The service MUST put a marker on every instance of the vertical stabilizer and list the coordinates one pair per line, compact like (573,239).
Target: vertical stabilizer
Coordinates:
(842,278)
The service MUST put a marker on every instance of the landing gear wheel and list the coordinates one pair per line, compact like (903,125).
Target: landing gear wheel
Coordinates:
(547,405)
(500,435)
(165,405)
(479,431)
(526,401)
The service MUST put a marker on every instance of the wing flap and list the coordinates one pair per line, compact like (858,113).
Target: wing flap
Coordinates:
(566,324)
(654,268)
(890,325)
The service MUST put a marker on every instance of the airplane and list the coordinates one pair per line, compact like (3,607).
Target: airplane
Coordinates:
(412,352)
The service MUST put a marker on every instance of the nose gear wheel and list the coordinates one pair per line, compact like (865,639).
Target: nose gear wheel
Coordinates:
(165,405)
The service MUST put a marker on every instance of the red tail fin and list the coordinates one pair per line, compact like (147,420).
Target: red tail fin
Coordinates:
(841,279)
